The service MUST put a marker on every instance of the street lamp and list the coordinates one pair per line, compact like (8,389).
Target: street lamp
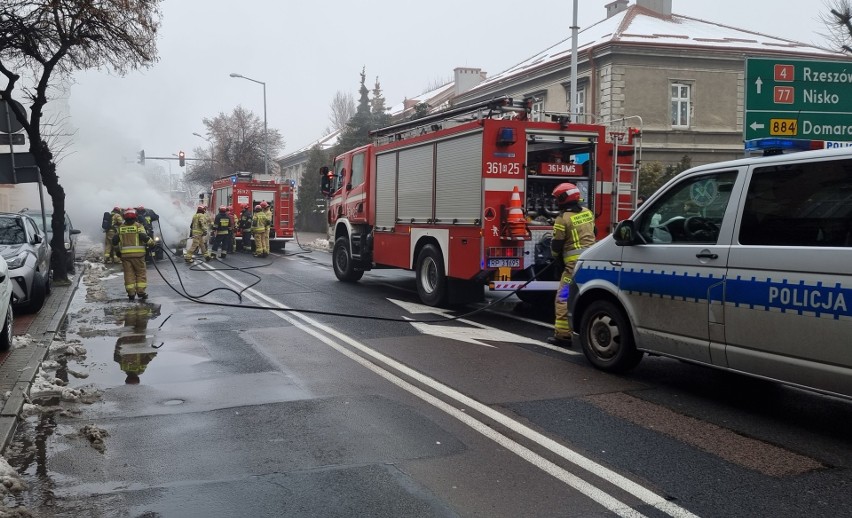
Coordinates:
(265,138)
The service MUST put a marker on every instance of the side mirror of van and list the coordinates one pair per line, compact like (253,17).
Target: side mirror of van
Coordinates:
(625,233)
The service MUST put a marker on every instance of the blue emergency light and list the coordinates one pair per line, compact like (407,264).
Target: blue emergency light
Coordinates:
(234,178)
(782,144)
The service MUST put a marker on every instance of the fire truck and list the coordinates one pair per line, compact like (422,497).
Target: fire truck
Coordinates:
(463,198)
(249,189)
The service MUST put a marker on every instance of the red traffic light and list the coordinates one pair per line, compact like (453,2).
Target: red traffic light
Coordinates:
(181,158)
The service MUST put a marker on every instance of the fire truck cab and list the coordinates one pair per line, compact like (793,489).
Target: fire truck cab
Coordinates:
(463,198)
(245,189)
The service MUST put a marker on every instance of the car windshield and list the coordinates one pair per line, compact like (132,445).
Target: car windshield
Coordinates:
(38,221)
(12,231)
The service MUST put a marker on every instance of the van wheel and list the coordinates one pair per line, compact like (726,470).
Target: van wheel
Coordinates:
(8,329)
(431,279)
(344,265)
(607,338)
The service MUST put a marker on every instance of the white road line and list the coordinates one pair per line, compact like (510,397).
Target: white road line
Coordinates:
(314,327)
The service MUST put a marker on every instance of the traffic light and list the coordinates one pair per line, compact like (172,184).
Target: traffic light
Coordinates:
(141,159)
(181,158)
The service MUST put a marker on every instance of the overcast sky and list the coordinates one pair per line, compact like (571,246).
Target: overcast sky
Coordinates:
(305,52)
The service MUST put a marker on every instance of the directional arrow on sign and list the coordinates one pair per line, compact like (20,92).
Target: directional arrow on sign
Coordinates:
(755,126)
(759,84)
(473,334)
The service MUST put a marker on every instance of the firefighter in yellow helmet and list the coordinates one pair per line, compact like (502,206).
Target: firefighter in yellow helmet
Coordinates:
(132,243)
(258,229)
(573,232)
(115,221)
(198,230)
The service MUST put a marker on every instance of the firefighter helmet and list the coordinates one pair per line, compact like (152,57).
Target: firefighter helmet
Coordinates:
(140,207)
(130,214)
(116,209)
(256,208)
(222,208)
(566,193)
(263,204)
(200,209)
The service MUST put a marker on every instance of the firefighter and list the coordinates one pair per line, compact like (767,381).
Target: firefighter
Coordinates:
(258,228)
(230,212)
(223,226)
(198,230)
(147,217)
(133,242)
(116,220)
(132,352)
(245,228)
(267,219)
(573,232)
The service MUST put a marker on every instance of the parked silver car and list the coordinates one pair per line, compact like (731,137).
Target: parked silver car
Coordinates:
(27,254)
(69,236)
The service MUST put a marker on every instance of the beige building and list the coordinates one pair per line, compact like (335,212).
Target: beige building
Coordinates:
(679,78)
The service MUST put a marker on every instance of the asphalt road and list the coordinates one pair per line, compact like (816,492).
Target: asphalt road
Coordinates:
(255,412)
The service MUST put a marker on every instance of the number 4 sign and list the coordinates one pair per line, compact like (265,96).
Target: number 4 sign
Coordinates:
(784,74)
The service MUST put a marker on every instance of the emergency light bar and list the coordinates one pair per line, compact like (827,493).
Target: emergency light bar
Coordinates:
(776,145)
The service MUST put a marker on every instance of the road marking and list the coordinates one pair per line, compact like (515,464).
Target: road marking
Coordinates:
(316,329)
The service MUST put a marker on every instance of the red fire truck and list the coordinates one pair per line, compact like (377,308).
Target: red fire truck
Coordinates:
(249,189)
(443,195)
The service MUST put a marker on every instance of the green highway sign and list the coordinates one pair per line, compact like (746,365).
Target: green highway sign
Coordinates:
(807,99)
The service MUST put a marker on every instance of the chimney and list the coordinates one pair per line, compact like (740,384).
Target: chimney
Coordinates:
(466,78)
(663,7)
(409,103)
(616,7)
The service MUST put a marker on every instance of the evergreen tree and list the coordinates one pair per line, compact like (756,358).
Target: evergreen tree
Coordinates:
(381,117)
(357,131)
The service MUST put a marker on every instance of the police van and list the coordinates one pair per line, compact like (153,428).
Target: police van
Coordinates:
(743,265)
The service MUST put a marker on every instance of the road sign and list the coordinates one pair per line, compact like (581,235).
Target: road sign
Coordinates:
(806,99)
(8,122)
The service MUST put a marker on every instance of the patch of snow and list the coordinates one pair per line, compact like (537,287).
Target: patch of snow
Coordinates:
(10,480)
(95,435)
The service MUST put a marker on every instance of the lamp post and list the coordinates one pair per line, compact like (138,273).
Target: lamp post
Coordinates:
(265,138)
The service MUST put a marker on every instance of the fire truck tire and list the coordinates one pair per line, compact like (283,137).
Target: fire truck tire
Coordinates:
(431,279)
(344,265)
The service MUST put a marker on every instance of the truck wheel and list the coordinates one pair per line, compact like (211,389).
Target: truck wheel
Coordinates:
(344,265)
(431,279)
(607,339)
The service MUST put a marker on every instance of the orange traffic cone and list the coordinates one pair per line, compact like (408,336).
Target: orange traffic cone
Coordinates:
(516,224)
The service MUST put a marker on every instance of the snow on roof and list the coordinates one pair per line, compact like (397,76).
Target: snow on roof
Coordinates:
(640,25)
(324,142)
(424,97)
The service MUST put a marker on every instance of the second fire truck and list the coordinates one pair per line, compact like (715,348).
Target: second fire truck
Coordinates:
(245,189)
(463,198)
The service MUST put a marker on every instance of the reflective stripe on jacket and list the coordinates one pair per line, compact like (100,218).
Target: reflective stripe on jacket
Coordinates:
(576,231)
(223,224)
(130,241)
(199,224)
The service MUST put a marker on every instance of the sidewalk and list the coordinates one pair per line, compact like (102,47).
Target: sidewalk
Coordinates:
(19,367)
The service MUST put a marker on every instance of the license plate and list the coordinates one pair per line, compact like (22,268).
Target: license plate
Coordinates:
(511,262)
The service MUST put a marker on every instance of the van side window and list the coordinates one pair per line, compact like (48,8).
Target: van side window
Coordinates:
(801,204)
(690,212)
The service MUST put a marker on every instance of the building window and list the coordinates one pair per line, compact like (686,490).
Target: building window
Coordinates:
(580,104)
(681,105)
(537,112)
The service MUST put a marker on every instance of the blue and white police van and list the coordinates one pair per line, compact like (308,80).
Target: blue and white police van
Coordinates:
(743,265)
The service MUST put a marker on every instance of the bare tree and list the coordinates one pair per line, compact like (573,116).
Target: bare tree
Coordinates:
(839,23)
(342,109)
(46,41)
(236,144)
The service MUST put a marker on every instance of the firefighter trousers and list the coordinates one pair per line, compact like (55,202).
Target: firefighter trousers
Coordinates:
(109,251)
(199,243)
(562,327)
(261,242)
(222,242)
(135,275)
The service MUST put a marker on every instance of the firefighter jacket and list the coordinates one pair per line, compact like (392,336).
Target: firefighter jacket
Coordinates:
(132,240)
(199,225)
(224,224)
(573,232)
(116,221)
(259,222)
(245,220)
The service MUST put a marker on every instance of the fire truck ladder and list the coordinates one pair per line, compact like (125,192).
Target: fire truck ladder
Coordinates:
(625,178)
(433,122)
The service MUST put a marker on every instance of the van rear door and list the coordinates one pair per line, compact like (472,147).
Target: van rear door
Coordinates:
(673,283)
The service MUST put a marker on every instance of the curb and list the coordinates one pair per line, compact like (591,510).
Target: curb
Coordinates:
(19,370)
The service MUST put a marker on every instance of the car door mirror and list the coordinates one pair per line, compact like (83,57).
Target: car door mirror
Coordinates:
(37,239)
(75,231)
(625,233)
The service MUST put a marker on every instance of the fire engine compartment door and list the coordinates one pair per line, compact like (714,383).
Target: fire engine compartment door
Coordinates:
(458,180)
